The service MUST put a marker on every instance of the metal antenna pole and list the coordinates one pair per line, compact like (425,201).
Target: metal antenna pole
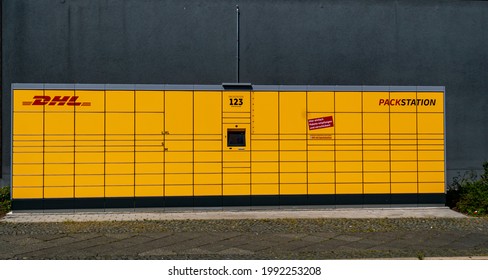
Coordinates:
(237,49)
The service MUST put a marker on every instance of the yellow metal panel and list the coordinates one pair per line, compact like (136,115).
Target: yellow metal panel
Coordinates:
(20,193)
(374,166)
(264,156)
(89,180)
(27,181)
(403,142)
(404,166)
(264,178)
(213,137)
(403,177)
(58,158)
(434,102)
(202,145)
(376,177)
(404,188)
(153,157)
(149,123)
(293,177)
(264,145)
(175,157)
(375,102)
(324,146)
(236,101)
(431,177)
(81,138)
(149,179)
(264,166)
(58,192)
(293,189)
(233,156)
(119,180)
(430,123)
(215,178)
(204,190)
(177,146)
(293,145)
(347,123)
(431,165)
(207,167)
(236,167)
(351,166)
(349,177)
(27,158)
(119,168)
(59,95)
(374,123)
(378,137)
(349,155)
(293,166)
(27,169)
(296,155)
(208,156)
(181,190)
(91,100)
(34,138)
(236,178)
(236,190)
(348,101)
(145,191)
(179,112)
(59,123)
(403,123)
(301,136)
(178,179)
(349,137)
(321,166)
(28,123)
(431,147)
(149,101)
(321,156)
(81,192)
(58,168)
(23,100)
(264,189)
(34,149)
(320,101)
(292,112)
(119,123)
(119,157)
(395,137)
(431,155)
(119,101)
(376,188)
(146,168)
(431,188)
(119,191)
(321,188)
(403,98)
(321,177)
(368,147)
(403,155)
(265,113)
(349,188)
(58,149)
(58,181)
(87,157)
(178,168)
(207,112)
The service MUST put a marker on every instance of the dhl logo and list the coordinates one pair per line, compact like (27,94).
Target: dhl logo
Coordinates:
(56,101)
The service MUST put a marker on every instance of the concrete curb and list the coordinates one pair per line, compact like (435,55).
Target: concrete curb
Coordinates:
(343,213)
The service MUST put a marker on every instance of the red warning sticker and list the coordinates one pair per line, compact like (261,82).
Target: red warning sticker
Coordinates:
(318,123)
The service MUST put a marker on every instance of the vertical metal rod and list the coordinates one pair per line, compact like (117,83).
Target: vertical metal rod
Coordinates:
(237,49)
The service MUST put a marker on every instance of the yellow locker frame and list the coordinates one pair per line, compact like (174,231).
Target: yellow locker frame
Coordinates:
(125,146)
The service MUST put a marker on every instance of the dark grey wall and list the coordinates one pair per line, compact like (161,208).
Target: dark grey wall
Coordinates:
(326,42)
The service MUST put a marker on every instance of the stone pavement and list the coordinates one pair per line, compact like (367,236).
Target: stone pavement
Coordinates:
(275,234)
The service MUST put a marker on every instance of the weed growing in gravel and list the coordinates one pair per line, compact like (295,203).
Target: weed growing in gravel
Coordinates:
(471,193)
(5,203)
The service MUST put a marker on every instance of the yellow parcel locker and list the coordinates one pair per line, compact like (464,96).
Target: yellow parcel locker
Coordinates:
(149,101)
(265,113)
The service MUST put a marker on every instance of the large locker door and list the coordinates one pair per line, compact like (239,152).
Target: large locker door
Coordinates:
(178,165)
